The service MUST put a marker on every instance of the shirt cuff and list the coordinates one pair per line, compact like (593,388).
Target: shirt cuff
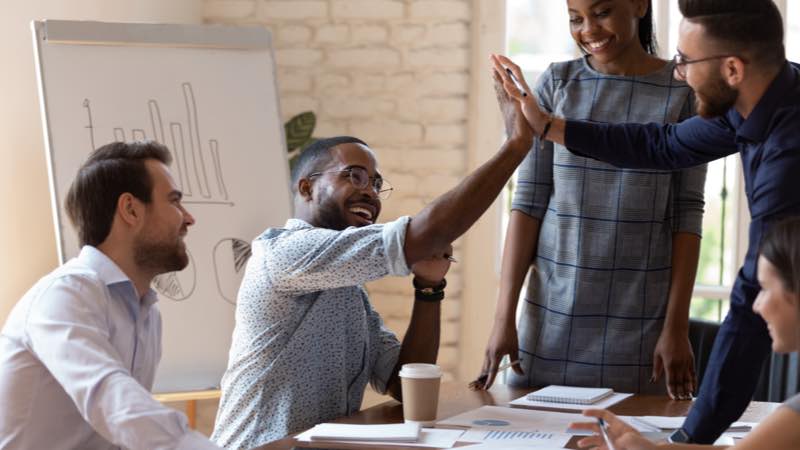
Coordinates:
(193,440)
(394,238)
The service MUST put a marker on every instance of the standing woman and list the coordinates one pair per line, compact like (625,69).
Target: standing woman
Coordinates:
(614,252)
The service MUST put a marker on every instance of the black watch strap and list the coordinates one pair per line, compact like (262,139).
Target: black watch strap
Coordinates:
(429,294)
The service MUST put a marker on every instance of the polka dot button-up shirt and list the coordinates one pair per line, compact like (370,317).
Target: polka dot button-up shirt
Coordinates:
(307,340)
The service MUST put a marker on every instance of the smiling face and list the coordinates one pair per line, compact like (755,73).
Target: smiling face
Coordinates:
(606,29)
(336,203)
(159,245)
(779,308)
(713,96)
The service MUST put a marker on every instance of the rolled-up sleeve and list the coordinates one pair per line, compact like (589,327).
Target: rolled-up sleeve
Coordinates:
(394,238)
(314,259)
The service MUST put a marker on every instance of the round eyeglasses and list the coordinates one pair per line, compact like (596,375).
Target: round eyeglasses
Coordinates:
(360,179)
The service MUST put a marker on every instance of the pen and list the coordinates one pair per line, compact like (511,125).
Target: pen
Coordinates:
(481,380)
(516,82)
(603,427)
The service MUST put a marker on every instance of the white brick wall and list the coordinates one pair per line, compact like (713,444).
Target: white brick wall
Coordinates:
(394,73)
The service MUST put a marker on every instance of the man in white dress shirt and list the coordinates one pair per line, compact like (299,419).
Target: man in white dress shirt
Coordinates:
(79,351)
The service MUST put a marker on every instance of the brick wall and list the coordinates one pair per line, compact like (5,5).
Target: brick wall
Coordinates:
(394,73)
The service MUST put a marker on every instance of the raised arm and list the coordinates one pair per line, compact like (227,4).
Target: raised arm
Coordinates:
(655,146)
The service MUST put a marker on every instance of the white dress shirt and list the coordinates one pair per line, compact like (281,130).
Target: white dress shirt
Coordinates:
(78,354)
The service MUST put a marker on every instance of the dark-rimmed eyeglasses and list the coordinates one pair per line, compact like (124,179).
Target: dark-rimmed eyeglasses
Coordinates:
(681,62)
(360,179)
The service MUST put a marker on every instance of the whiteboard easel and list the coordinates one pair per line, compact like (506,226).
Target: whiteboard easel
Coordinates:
(208,93)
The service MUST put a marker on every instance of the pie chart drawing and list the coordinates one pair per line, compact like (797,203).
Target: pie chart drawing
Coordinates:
(230,260)
(178,286)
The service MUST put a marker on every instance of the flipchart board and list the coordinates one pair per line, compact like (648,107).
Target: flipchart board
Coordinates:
(209,94)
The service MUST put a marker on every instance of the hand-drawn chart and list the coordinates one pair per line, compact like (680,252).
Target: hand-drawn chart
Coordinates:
(230,260)
(206,92)
(178,286)
(190,165)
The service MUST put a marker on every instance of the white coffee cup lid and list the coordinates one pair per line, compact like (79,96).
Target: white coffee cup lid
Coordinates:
(420,370)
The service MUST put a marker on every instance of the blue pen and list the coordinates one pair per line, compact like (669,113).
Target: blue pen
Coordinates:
(603,427)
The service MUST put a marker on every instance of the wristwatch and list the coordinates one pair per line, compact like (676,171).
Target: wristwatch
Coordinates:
(679,436)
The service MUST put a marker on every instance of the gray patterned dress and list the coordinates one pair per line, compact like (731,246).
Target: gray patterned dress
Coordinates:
(597,300)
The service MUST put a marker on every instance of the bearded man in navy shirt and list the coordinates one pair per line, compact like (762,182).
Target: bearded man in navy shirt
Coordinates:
(748,99)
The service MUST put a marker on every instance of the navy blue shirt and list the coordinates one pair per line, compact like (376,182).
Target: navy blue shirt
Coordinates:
(768,142)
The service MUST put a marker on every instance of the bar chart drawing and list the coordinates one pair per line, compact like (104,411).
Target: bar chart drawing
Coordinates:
(196,163)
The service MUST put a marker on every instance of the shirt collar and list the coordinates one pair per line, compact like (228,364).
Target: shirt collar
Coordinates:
(297,224)
(756,126)
(110,273)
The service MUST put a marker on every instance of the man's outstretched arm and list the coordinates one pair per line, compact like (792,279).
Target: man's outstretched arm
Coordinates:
(654,146)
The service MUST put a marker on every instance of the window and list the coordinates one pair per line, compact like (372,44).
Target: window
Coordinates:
(538,33)
(792,17)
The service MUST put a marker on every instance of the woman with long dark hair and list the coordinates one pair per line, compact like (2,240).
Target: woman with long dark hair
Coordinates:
(614,251)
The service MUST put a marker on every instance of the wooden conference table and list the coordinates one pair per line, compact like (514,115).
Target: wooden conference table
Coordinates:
(456,398)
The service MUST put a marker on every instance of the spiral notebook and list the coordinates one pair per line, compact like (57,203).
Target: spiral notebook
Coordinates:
(570,394)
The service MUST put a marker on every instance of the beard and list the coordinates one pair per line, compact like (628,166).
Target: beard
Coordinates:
(714,98)
(333,216)
(161,256)
(330,216)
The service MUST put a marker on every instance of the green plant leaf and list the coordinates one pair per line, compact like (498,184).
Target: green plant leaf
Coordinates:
(299,130)
(294,154)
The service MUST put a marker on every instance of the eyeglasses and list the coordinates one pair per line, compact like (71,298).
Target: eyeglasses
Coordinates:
(360,179)
(681,62)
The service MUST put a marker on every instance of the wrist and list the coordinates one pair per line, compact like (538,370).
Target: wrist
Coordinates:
(502,319)
(428,293)
(547,122)
(680,327)
(519,143)
(422,282)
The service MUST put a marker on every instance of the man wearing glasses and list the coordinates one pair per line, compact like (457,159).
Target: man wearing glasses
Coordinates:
(748,98)
(307,340)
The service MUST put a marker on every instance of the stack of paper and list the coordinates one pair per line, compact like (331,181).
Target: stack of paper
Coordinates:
(396,432)
(667,423)
(369,436)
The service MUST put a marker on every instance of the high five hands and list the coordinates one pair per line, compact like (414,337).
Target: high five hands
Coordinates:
(536,118)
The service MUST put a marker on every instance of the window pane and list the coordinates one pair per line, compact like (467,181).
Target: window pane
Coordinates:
(717,248)
(793,30)
(709,308)
(538,33)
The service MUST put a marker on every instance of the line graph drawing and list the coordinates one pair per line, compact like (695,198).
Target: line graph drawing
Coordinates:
(230,259)
(194,159)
